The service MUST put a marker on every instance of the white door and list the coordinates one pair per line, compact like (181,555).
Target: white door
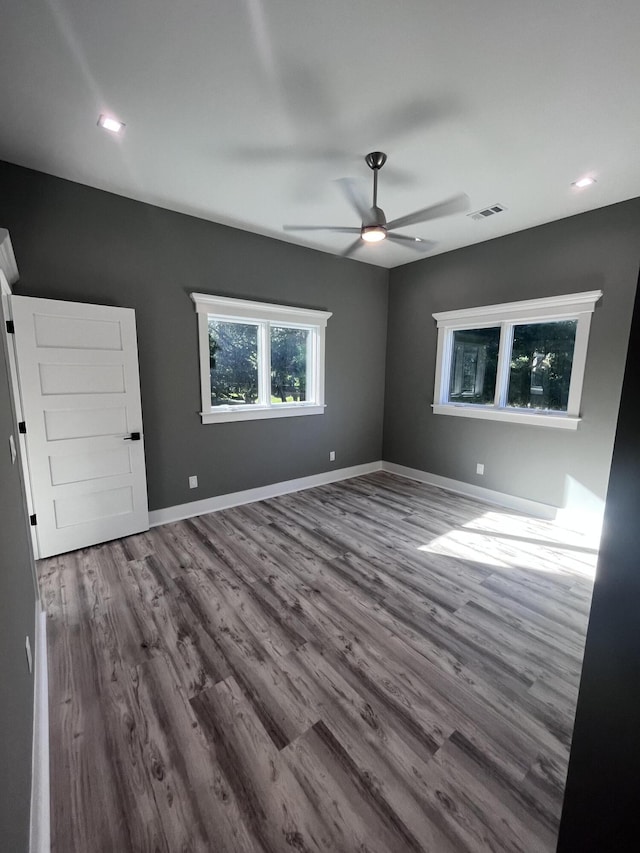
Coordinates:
(80,392)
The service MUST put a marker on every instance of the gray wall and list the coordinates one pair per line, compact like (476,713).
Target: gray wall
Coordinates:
(596,250)
(17,612)
(73,242)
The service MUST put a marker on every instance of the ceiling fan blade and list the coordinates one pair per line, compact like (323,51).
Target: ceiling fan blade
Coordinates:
(455,204)
(320,228)
(406,117)
(351,190)
(418,245)
(351,249)
(286,153)
(394,177)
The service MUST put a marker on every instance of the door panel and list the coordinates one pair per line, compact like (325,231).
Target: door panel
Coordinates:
(65,424)
(99,506)
(78,377)
(64,332)
(81,379)
(77,467)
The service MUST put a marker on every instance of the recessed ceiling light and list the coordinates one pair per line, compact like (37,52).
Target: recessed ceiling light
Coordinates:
(584,182)
(110,124)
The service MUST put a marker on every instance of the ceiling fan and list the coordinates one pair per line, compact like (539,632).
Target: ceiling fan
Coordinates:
(374,227)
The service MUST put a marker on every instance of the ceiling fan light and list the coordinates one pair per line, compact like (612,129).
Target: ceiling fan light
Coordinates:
(373,233)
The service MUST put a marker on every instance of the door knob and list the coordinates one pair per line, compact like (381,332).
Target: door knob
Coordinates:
(135,436)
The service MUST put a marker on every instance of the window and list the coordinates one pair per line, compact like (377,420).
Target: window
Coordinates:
(259,360)
(521,361)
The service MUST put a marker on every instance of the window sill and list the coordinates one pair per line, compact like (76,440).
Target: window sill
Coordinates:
(558,420)
(257,413)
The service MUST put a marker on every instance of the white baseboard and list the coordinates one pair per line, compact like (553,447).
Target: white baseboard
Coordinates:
(565,517)
(539,510)
(40,829)
(189,510)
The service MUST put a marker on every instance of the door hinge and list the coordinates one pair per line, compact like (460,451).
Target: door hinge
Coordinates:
(11,329)
(22,428)
(33,520)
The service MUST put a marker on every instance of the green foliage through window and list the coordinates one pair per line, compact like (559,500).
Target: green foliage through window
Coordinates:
(288,365)
(473,366)
(233,355)
(234,368)
(541,363)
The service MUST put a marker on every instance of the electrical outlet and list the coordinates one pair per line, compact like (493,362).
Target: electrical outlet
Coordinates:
(193,482)
(27,646)
(480,468)
(332,456)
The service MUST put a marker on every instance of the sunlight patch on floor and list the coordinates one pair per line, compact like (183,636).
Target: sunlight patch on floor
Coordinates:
(503,540)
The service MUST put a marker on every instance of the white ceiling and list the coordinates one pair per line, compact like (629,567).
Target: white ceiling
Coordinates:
(247,112)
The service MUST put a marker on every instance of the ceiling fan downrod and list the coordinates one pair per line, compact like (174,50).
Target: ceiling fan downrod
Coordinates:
(375,160)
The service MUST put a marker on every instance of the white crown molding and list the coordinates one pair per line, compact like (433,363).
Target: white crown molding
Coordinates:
(207,303)
(567,304)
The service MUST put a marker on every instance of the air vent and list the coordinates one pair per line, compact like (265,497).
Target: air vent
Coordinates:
(486,212)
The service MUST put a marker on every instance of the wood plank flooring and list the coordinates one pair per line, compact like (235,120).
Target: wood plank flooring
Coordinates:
(375,665)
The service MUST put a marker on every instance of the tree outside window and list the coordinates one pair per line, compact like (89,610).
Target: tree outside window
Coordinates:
(233,354)
(541,362)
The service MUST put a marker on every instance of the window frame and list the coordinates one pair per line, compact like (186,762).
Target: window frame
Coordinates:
(573,306)
(264,315)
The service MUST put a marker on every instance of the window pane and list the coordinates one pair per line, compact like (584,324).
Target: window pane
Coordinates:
(541,361)
(474,362)
(233,359)
(289,365)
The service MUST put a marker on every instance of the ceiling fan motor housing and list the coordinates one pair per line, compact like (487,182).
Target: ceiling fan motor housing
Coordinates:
(375,217)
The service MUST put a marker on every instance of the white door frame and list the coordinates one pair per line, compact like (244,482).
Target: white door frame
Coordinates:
(5,311)
(40,819)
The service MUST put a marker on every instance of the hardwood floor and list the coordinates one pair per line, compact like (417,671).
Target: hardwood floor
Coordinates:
(374,665)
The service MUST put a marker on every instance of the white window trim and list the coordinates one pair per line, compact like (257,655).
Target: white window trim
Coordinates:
(264,314)
(573,306)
